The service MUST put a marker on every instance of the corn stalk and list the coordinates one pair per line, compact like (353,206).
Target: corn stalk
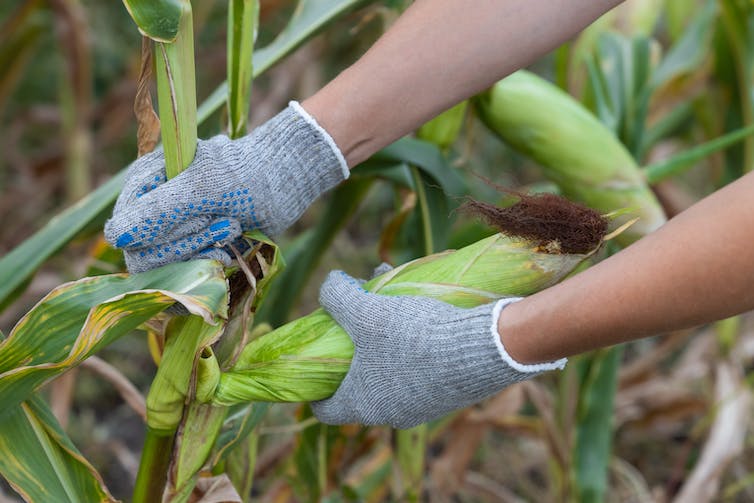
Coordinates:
(185,338)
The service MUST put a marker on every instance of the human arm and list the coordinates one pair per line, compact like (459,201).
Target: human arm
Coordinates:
(438,53)
(697,268)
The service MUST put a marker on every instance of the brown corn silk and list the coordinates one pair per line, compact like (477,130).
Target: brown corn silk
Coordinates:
(550,221)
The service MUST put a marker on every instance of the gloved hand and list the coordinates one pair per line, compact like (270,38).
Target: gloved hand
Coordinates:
(262,181)
(415,359)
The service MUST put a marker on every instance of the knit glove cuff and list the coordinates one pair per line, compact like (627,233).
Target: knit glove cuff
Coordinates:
(523,368)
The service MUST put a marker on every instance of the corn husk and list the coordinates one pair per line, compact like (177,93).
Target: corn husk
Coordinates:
(443,129)
(306,359)
(576,150)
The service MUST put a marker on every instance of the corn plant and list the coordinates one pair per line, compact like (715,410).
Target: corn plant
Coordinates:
(220,365)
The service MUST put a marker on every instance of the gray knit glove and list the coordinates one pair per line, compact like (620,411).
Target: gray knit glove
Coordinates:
(262,181)
(415,359)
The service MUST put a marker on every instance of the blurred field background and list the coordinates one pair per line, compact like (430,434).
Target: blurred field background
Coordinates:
(680,415)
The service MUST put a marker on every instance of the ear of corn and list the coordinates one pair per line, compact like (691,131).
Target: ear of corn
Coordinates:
(575,149)
(306,359)
(443,129)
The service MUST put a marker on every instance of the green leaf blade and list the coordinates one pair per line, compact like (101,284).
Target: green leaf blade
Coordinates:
(243,20)
(18,265)
(41,462)
(77,319)
(157,19)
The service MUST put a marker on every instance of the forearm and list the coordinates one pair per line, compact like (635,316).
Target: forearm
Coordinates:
(439,53)
(698,268)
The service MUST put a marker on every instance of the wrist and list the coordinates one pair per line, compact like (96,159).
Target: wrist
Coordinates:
(506,316)
(349,131)
(290,160)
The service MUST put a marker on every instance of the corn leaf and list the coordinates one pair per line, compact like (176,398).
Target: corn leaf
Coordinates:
(18,265)
(241,464)
(432,203)
(157,19)
(680,162)
(594,431)
(619,71)
(310,457)
(689,52)
(427,158)
(601,103)
(77,319)
(367,481)
(443,129)
(420,166)
(40,461)
(240,422)
(673,121)
(433,213)
(243,20)
(685,57)
(733,53)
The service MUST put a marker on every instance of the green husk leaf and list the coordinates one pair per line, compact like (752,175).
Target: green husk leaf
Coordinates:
(443,129)
(194,442)
(187,336)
